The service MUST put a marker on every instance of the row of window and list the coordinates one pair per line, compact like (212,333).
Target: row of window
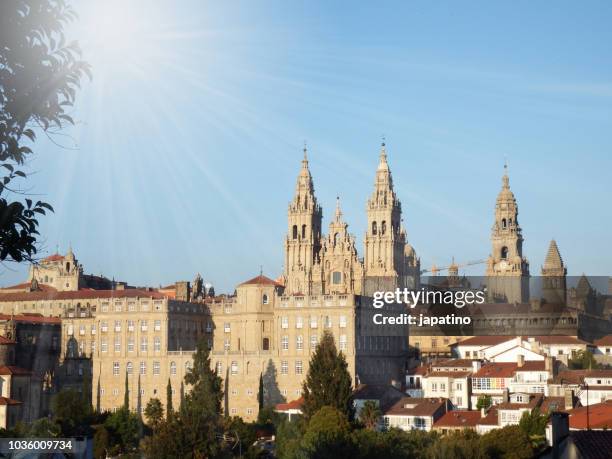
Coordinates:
(131,344)
(131,306)
(299,322)
(129,367)
(314,339)
(234,368)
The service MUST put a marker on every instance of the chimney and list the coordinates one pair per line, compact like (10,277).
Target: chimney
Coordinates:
(483,412)
(475,365)
(506,395)
(569,399)
(559,430)
(520,360)
(548,363)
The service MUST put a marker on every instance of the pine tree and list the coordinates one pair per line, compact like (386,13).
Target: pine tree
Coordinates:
(169,408)
(328,382)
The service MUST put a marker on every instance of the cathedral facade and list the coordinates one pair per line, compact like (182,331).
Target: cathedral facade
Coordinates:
(323,264)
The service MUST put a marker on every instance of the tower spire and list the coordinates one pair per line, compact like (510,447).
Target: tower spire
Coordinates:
(338,210)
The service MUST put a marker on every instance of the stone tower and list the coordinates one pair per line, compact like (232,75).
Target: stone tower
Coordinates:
(339,269)
(385,239)
(507,268)
(303,242)
(553,276)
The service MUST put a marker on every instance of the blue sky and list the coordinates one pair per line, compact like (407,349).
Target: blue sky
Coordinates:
(189,137)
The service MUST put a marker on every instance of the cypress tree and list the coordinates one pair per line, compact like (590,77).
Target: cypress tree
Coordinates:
(169,408)
(126,395)
(260,393)
(328,382)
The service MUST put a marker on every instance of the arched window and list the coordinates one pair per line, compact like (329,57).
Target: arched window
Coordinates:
(509,222)
(383,227)
(129,368)
(172,368)
(335,239)
(265,299)
(504,225)
(68,266)
(295,232)
(303,231)
(266,344)
(374,228)
(504,252)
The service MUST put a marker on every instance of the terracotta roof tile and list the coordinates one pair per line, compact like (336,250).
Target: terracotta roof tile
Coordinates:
(484,341)
(292,405)
(604,341)
(261,280)
(600,416)
(9,401)
(459,418)
(32,318)
(496,370)
(409,406)
(83,294)
(13,370)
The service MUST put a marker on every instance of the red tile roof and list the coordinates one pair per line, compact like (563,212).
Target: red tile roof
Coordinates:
(484,340)
(600,416)
(32,318)
(452,363)
(26,285)
(496,370)
(556,339)
(448,374)
(9,401)
(83,294)
(261,280)
(491,419)
(532,365)
(459,418)
(13,370)
(409,406)
(420,370)
(604,341)
(54,257)
(292,405)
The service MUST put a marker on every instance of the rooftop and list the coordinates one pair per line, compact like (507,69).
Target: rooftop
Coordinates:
(409,406)
(600,416)
(496,370)
(459,418)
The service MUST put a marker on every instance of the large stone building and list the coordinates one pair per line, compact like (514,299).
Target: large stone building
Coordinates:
(270,329)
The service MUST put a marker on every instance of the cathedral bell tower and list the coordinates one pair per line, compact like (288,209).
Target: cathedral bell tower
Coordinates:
(385,237)
(507,268)
(303,241)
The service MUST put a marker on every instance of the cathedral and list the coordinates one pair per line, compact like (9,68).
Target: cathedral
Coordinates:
(323,264)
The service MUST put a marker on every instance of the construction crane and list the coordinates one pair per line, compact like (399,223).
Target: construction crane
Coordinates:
(435,270)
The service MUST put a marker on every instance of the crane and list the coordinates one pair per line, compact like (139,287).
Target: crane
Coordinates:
(435,270)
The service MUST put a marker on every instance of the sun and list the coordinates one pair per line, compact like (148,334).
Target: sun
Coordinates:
(116,35)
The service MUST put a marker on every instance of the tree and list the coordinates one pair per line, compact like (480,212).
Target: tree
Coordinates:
(463,444)
(328,382)
(369,414)
(44,428)
(260,392)
(484,401)
(328,435)
(71,410)
(169,408)
(154,412)
(194,430)
(39,76)
(507,443)
(533,423)
(126,393)
(101,443)
(583,360)
(122,427)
